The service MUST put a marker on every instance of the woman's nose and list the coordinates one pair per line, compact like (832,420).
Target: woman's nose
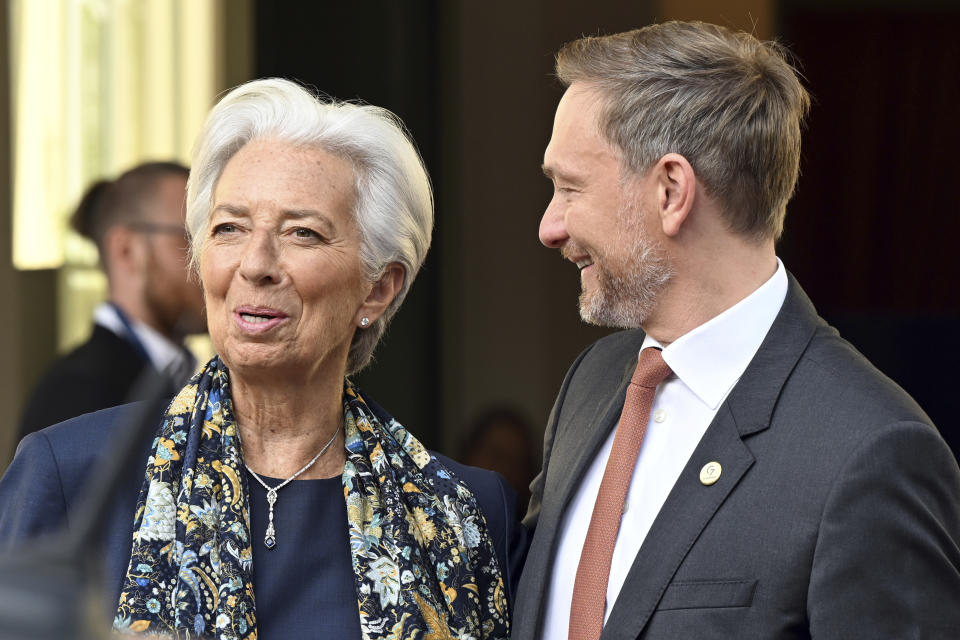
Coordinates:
(260,261)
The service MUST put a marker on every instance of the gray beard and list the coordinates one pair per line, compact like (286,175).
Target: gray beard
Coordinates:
(625,300)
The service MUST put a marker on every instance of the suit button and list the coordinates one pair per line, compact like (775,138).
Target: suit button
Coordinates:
(710,473)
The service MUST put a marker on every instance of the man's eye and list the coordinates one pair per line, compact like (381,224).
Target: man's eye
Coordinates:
(303,232)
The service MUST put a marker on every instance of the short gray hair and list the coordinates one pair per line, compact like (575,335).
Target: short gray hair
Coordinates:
(732,105)
(394,206)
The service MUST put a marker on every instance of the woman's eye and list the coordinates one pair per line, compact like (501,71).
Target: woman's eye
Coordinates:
(224,227)
(303,232)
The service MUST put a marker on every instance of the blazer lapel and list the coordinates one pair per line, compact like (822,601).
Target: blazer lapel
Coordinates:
(687,510)
(582,435)
(591,431)
(691,504)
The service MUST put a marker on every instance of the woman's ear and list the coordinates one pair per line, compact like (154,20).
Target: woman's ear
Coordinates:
(676,190)
(381,295)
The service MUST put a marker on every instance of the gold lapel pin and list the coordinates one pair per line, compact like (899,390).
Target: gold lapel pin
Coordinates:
(710,473)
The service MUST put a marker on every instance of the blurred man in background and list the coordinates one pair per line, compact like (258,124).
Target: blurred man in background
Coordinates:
(137,224)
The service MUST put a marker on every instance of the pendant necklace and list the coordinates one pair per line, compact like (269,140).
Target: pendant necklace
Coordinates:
(270,539)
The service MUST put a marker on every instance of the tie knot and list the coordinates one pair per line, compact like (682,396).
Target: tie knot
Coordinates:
(651,369)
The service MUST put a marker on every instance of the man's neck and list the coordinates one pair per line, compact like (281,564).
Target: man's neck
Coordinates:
(706,286)
(137,310)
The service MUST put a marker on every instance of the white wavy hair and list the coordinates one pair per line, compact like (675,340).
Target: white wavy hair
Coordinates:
(394,205)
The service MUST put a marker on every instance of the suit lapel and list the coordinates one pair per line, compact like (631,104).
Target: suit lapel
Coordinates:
(582,435)
(691,505)
(588,441)
(686,511)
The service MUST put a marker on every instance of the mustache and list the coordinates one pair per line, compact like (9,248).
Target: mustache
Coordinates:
(571,251)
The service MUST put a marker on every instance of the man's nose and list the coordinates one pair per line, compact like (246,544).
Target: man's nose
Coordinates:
(553,226)
(260,261)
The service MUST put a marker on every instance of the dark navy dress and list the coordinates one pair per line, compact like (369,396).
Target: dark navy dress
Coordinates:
(304,586)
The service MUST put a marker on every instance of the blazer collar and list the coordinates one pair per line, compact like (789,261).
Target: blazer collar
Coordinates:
(755,396)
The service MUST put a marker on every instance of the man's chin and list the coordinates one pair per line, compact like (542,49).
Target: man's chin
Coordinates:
(605,313)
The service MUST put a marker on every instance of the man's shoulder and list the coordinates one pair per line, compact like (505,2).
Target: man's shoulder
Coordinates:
(843,377)
(97,374)
(832,403)
(805,359)
(103,351)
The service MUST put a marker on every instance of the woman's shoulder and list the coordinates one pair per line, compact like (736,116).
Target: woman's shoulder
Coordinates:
(495,498)
(76,442)
(486,485)
(50,469)
(498,503)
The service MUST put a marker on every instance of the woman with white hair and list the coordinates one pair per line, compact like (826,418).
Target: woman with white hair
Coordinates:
(278,500)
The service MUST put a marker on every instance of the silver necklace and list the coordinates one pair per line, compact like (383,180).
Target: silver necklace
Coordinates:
(270,539)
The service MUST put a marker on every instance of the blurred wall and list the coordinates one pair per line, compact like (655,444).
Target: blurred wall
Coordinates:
(511,324)
(28,311)
(9,372)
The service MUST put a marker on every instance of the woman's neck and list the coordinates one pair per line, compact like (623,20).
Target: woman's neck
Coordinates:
(283,425)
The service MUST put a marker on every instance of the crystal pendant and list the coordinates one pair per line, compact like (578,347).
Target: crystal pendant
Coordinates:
(270,539)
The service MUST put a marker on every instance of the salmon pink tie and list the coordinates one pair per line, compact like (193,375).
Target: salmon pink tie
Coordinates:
(590,587)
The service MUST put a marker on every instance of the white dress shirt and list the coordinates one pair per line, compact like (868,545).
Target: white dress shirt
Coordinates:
(707,362)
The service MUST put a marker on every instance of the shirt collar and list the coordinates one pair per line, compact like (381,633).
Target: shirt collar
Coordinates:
(711,358)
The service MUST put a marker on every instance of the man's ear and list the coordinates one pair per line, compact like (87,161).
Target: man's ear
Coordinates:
(125,250)
(676,188)
(381,294)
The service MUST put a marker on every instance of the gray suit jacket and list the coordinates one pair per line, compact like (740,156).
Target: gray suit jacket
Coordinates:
(837,513)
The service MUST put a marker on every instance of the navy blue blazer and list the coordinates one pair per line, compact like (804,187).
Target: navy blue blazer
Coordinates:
(47,476)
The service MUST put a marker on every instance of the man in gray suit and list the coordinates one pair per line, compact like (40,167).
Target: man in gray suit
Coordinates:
(784,488)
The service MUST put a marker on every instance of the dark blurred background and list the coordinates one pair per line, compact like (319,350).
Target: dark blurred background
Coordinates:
(492,319)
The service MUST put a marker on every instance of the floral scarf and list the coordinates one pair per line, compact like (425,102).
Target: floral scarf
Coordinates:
(423,563)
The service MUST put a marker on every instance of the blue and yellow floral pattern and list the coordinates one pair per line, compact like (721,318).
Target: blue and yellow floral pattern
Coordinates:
(423,562)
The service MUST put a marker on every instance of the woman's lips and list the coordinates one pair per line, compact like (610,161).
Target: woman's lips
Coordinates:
(258,319)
